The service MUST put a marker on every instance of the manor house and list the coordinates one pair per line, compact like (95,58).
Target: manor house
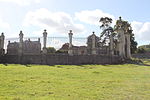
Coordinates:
(96,51)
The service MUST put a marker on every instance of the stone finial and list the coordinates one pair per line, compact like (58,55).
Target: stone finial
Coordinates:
(70,31)
(120,18)
(2,34)
(39,39)
(28,39)
(45,33)
(93,32)
(21,34)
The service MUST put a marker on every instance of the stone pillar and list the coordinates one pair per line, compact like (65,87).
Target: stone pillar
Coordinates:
(121,37)
(2,39)
(93,44)
(44,38)
(20,43)
(44,41)
(38,39)
(20,50)
(128,43)
(111,45)
(70,51)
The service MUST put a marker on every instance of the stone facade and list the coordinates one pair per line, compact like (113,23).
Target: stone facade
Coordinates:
(13,48)
(118,45)
(95,52)
(75,50)
(93,44)
(59,59)
(79,50)
(24,47)
(94,47)
(31,47)
(124,31)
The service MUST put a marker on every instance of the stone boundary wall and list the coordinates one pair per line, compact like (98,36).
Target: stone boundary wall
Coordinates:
(60,59)
(142,56)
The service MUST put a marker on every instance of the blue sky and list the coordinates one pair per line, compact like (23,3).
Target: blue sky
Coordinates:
(59,16)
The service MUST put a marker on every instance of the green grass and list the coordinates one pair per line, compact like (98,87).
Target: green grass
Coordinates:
(70,82)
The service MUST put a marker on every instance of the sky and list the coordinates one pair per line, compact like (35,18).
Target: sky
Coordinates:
(81,16)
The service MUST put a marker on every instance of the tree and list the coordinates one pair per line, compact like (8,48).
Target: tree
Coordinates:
(51,50)
(62,52)
(141,50)
(107,29)
(106,21)
(134,44)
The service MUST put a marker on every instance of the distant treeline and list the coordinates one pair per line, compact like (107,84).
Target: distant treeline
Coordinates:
(143,49)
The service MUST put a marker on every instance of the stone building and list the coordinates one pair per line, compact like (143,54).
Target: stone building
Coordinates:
(12,48)
(118,44)
(92,44)
(64,47)
(95,52)
(79,50)
(22,47)
(31,47)
(94,47)
(75,50)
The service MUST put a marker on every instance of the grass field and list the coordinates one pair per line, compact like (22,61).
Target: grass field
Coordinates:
(70,82)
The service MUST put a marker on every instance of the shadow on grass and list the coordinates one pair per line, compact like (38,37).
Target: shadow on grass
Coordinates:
(5,64)
(138,61)
(28,65)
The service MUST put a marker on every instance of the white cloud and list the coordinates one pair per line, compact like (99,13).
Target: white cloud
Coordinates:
(4,25)
(21,2)
(59,22)
(141,30)
(79,43)
(56,43)
(92,17)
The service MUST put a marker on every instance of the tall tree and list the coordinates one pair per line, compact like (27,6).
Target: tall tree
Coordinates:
(133,44)
(106,27)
